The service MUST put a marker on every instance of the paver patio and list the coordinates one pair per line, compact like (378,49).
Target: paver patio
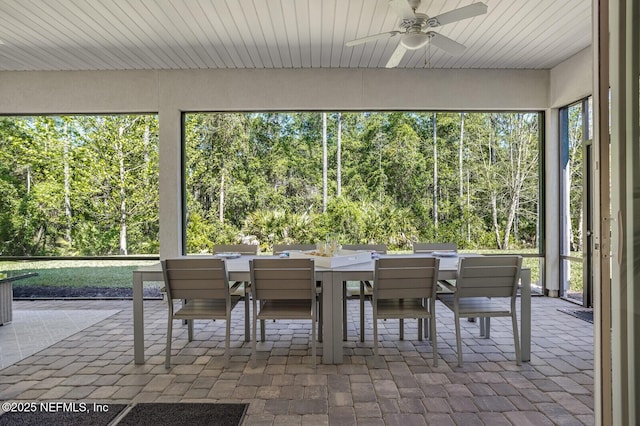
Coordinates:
(96,364)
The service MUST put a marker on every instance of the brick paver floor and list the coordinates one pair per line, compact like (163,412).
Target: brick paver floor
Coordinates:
(403,388)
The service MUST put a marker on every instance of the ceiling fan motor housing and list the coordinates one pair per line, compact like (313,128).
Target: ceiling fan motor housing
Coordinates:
(415,24)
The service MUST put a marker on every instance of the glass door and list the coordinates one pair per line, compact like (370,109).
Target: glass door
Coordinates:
(576,203)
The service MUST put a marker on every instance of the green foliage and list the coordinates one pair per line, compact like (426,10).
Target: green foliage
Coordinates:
(88,185)
(388,178)
(279,227)
(79,185)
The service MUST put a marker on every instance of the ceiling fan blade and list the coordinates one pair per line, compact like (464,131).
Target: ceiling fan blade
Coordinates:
(402,9)
(465,12)
(446,44)
(371,38)
(396,57)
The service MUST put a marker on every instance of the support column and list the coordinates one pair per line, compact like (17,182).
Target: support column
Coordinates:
(170,182)
(551,204)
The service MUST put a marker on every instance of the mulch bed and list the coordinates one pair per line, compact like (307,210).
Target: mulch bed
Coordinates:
(31,292)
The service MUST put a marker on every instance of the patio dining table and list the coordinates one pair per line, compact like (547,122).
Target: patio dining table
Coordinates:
(332,281)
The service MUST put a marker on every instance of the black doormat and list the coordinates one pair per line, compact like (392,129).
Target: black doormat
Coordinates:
(583,314)
(157,414)
(58,413)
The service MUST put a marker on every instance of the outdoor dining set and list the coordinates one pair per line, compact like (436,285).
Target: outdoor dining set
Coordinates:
(309,282)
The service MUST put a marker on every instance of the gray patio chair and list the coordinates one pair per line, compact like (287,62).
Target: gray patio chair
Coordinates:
(203,286)
(405,287)
(482,281)
(240,288)
(283,289)
(278,249)
(366,288)
(429,248)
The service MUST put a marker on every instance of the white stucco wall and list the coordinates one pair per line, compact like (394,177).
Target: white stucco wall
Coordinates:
(306,89)
(571,80)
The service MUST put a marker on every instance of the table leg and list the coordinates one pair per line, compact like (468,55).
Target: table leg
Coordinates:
(327,318)
(525,314)
(332,318)
(138,319)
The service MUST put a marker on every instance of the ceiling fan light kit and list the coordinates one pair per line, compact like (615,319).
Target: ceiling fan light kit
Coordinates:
(413,25)
(413,41)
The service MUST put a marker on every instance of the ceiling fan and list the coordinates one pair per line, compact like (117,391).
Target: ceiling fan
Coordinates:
(416,32)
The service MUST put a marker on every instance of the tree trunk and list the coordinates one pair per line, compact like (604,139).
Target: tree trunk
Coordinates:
(67,184)
(123,194)
(494,194)
(513,208)
(460,149)
(221,204)
(435,176)
(460,171)
(324,161)
(494,213)
(468,206)
(339,155)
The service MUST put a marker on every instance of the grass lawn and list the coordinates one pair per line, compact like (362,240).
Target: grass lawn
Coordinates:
(76,273)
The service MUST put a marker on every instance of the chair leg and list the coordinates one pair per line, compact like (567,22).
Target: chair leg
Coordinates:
(255,336)
(344,311)
(313,343)
(434,339)
(487,327)
(482,328)
(427,328)
(401,329)
(420,321)
(375,337)
(227,342)
(190,329)
(458,340)
(247,318)
(516,337)
(319,316)
(362,330)
(167,360)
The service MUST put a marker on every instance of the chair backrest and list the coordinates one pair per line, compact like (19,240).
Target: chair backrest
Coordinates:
(379,248)
(195,278)
(489,276)
(279,248)
(235,248)
(406,278)
(283,279)
(431,247)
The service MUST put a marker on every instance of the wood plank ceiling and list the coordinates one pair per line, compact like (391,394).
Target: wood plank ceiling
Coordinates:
(199,34)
